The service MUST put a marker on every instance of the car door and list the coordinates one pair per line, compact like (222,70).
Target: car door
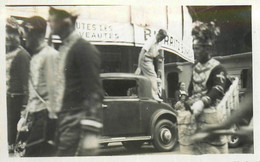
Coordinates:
(121,111)
(121,117)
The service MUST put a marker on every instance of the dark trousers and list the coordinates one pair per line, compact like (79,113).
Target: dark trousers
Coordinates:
(68,132)
(14,107)
(40,130)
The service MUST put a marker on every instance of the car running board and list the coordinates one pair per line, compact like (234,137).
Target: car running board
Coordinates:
(122,139)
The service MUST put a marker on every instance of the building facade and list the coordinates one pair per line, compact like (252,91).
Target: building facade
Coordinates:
(119,32)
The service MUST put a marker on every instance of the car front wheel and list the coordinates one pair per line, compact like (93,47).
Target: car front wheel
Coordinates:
(165,135)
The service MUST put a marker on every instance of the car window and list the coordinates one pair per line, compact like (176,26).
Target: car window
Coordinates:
(119,87)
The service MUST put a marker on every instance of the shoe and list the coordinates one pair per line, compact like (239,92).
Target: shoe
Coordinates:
(158,99)
(11,148)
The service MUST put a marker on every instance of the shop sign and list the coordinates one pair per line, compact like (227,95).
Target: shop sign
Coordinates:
(170,43)
(102,33)
(105,33)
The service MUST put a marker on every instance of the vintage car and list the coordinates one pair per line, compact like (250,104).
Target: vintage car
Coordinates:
(132,116)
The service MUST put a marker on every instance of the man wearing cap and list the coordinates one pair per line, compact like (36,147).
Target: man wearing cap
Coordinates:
(161,91)
(79,88)
(149,52)
(207,87)
(17,70)
(41,86)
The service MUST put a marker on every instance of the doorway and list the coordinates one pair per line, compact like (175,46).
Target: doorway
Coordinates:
(172,81)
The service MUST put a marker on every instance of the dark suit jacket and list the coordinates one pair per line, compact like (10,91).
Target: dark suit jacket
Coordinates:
(82,68)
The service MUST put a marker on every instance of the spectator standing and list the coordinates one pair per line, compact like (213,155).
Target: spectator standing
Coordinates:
(149,52)
(17,70)
(79,88)
(161,91)
(40,106)
(181,90)
(180,105)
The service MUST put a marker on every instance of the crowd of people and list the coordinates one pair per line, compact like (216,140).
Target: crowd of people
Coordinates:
(64,85)
(50,91)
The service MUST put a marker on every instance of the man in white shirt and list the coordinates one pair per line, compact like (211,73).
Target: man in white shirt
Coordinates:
(151,50)
(40,105)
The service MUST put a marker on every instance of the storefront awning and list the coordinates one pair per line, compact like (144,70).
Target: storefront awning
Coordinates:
(128,25)
(130,35)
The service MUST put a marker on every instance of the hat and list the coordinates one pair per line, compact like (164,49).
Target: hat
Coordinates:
(64,11)
(12,25)
(35,23)
(184,93)
(204,33)
(162,32)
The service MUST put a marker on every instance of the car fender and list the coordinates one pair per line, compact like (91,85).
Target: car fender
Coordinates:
(161,113)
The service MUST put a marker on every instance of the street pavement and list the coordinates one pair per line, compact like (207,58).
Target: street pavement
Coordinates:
(114,149)
(117,149)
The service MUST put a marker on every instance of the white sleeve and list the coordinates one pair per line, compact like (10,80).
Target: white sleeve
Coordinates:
(148,44)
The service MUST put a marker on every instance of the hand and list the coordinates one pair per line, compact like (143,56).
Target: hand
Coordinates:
(52,115)
(199,136)
(138,71)
(159,74)
(190,102)
(21,125)
(93,112)
(197,107)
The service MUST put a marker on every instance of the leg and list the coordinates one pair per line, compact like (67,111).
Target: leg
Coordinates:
(186,128)
(213,144)
(147,69)
(189,149)
(68,133)
(36,144)
(14,106)
(223,149)
(154,88)
(68,142)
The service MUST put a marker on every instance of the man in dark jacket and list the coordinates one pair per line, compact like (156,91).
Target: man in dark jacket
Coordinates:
(79,88)
(17,70)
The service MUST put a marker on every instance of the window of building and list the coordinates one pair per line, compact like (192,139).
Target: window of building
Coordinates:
(244,78)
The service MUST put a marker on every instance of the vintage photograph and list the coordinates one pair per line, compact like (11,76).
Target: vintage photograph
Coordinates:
(119,80)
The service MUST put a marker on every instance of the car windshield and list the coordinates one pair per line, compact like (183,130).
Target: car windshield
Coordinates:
(119,87)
